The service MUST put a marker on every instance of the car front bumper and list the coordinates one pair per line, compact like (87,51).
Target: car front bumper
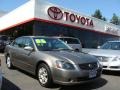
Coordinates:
(113,66)
(71,77)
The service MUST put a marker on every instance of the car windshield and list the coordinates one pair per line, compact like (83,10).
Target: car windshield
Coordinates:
(111,45)
(3,38)
(48,44)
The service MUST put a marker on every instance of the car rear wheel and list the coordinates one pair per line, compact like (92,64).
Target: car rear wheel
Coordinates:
(8,62)
(44,76)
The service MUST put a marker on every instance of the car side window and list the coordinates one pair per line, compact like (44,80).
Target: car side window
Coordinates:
(28,42)
(18,43)
(106,46)
(115,46)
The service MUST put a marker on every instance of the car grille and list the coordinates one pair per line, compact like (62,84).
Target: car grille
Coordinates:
(88,66)
(104,66)
(115,67)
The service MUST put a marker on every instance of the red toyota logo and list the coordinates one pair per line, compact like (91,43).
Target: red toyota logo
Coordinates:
(55,13)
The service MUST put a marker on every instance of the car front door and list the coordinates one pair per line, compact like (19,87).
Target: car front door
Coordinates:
(27,56)
(16,50)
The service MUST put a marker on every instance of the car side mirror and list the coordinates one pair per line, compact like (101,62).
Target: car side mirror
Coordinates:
(65,41)
(28,48)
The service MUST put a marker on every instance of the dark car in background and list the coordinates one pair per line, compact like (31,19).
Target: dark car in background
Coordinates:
(4,40)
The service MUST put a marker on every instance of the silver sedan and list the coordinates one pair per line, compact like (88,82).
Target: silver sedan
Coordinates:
(108,55)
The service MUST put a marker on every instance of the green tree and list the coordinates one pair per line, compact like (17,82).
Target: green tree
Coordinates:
(115,19)
(97,14)
(119,20)
(104,19)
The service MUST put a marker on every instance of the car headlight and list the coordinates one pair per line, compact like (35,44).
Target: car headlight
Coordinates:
(65,65)
(116,59)
(99,64)
(104,59)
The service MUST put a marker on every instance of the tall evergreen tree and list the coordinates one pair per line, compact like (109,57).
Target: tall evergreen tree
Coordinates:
(104,19)
(119,20)
(98,15)
(115,19)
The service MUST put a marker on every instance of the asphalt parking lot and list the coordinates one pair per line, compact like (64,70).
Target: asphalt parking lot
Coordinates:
(19,80)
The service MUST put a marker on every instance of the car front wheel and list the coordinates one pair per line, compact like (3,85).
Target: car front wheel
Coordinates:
(44,76)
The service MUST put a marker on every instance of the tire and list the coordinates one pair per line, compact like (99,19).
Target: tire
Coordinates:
(44,76)
(8,62)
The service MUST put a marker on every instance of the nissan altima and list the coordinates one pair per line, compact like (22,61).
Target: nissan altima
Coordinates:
(52,61)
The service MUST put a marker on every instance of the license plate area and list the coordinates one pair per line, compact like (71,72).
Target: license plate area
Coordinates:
(92,73)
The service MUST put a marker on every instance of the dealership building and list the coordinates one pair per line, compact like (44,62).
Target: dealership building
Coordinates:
(40,17)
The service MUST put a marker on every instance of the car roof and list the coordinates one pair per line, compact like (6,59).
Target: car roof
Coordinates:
(37,36)
(48,37)
(65,37)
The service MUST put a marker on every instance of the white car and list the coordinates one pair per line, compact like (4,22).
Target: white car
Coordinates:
(108,55)
(72,42)
(0,75)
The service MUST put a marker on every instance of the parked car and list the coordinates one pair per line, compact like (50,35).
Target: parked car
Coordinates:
(52,61)
(72,42)
(109,55)
(4,40)
(0,76)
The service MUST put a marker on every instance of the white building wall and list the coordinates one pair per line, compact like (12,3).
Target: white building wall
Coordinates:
(18,15)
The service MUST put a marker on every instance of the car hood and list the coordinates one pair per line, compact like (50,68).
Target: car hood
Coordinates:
(105,52)
(75,57)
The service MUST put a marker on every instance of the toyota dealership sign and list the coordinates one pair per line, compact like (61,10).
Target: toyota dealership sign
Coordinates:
(58,14)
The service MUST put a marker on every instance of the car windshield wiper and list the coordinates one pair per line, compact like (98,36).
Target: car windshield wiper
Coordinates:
(47,50)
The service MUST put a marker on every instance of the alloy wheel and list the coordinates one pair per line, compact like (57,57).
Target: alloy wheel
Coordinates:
(8,62)
(43,75)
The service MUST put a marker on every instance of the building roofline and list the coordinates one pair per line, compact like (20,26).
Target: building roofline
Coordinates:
(47,21)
